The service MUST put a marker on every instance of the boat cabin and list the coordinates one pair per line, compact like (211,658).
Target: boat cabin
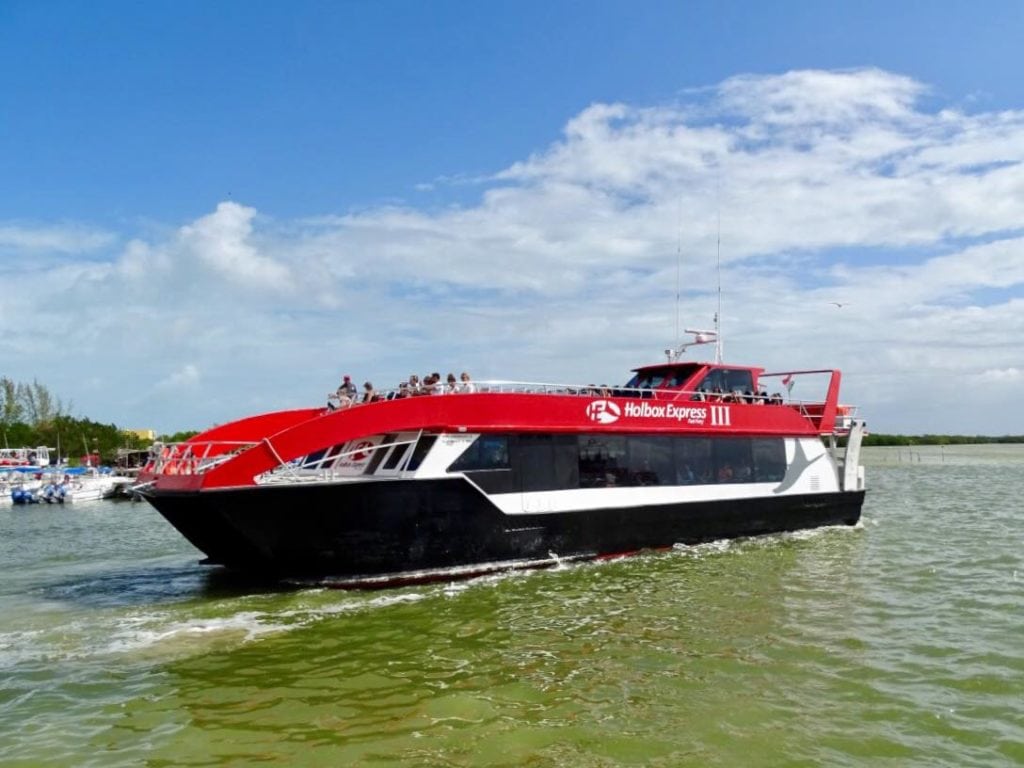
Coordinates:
(21,457)
(700,380)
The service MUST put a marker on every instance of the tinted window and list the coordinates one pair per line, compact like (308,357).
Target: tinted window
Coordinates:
(557,462)
(426,442)
(694,464)
(488,463)
(332,454)
(486,452)
(602,461)
(769,460)
(548,462)
(733,463)
(650,461)
(314,459)
(711,382)
(727,380)
(669,377)
(396,456)
(738,381)
(378,456)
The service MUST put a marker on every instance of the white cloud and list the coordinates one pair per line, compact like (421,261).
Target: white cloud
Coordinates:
(830,186)
(809,98)
(61,239)
(222,241)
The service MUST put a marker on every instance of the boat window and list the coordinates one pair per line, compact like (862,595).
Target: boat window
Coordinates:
(738,381)
(562,462)
(423,446)
(657,379)
(694,465)
(314,459)
(378,455)
(727,380)
(645,380)
(324,458)
(396,456)
(650,461)
(769,460)
(602,461)
(548,462)
(682,374)
(733,463)
(711,383)
(486,452)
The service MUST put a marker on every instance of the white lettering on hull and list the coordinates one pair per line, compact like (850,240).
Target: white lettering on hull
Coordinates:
(720,415)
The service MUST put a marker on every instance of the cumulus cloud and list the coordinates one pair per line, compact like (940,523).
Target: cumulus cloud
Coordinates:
(222,241)
(813,188)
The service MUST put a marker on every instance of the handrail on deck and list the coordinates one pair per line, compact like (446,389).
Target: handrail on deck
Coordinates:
(498,386)
(192,458)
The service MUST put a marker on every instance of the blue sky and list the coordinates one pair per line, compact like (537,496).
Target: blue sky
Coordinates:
(220,207)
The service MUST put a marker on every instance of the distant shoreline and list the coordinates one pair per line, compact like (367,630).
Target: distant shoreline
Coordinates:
(879,439)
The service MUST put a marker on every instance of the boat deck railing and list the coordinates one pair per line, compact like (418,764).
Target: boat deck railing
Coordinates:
(196,457)
(809,409)
(328,466)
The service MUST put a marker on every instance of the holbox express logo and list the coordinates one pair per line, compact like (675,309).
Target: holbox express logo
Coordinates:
(603,411)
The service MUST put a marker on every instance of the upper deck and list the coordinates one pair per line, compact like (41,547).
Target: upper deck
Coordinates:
(235,454)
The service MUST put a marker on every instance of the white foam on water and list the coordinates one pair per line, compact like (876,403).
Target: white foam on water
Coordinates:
(171,632)
(739,545)
(20,646)
(706,549)
(148,631)
(155,632)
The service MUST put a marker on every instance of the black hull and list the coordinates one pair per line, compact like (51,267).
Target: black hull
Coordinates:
(393,527)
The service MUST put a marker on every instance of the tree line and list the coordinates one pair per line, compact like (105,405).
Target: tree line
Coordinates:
(881,439)
(30,415)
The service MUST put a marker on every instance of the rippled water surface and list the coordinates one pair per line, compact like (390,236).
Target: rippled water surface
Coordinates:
(899,642)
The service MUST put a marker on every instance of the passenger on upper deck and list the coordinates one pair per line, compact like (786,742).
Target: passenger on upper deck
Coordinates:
(437,384)
(348,387)
(466,385)
(369,393)
(339,399)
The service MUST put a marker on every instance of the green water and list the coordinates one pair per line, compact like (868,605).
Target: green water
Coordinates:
(899,642)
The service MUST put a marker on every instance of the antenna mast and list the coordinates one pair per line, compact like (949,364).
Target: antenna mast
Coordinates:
(718,314)
(679,261)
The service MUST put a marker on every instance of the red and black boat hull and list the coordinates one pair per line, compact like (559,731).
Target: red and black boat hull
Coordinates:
(367,529)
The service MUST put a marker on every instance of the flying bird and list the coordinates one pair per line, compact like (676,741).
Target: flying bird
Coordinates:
(840,304)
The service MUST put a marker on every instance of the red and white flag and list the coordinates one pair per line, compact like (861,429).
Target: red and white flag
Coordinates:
(787,382)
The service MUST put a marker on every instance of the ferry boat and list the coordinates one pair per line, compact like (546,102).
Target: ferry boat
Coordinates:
(514,475)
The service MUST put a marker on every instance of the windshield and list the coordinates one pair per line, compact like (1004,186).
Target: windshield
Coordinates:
(661,378)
